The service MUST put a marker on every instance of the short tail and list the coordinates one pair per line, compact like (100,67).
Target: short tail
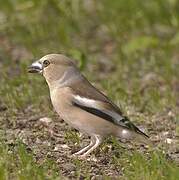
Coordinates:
(136,136)
(142,138)
(135,133)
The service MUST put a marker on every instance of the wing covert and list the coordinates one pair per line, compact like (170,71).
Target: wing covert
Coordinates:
(104,110)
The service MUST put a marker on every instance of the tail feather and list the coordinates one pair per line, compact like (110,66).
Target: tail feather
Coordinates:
(137,136)
(132,132)
(142,138)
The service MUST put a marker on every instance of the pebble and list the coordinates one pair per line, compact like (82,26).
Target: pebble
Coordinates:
(45,120)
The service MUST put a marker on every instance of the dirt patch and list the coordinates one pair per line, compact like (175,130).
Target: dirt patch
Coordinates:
(47,138)
(50,142)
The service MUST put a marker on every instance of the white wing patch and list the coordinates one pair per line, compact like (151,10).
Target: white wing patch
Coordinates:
(97,105)
(87,102)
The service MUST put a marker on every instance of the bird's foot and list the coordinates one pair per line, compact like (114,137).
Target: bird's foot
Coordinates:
(80,157)
(84,156)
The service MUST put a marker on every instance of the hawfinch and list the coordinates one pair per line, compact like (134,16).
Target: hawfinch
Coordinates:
(83,106)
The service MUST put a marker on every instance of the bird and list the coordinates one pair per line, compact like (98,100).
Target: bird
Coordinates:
(83,106)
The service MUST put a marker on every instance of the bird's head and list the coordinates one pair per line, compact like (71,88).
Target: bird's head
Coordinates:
(51,66)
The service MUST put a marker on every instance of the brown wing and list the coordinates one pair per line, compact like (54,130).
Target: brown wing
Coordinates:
(102,107)
(86,89)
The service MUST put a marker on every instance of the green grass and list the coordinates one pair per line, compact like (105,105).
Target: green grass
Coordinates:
(17,163)
(156,167)
(129,49)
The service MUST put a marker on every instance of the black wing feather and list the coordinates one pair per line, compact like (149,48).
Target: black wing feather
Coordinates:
(124,121)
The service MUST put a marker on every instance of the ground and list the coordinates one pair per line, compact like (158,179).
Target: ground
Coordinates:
(127,50)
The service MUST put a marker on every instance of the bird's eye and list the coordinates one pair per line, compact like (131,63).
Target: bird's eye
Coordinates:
(46,63)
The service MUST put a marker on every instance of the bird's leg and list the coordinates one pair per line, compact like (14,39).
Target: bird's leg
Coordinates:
(98,140)
(92,142)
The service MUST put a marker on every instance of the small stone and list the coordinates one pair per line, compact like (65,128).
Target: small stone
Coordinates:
(58,147)
(171,114)
(38,141)
(97,177)
(65,146)
(169,141)
(165,133)
(45,121)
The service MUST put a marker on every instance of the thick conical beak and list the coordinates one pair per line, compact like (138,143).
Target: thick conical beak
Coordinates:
(36,67)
